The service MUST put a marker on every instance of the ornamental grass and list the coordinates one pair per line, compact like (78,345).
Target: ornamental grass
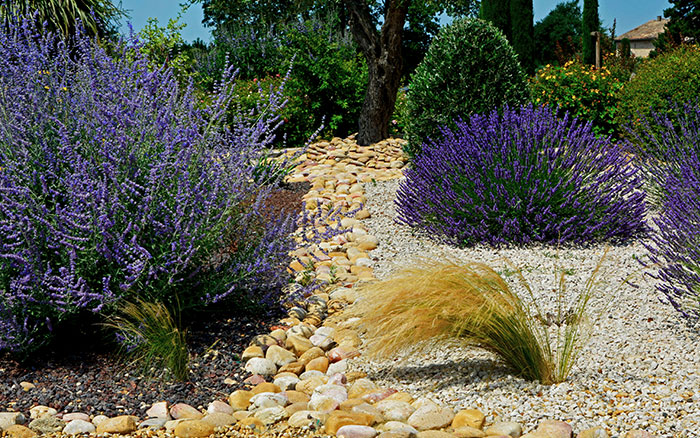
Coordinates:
(438,300)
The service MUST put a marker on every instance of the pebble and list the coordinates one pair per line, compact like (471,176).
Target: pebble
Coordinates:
(271,415)
(261,366)
(18,431)
(77,426)
(46,424)
(193,429)
(122,424)
(352,431)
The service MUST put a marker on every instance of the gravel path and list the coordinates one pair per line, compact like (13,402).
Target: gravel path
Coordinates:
(640,368)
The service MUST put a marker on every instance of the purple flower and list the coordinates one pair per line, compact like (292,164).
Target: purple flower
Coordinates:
(522,176)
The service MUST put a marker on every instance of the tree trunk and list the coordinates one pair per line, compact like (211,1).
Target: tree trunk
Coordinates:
(384,62)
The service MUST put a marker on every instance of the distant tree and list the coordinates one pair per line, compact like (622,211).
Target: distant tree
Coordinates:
(591,23)
(523,33)
(98,17)
(683,25)
(498,13)
(558,35)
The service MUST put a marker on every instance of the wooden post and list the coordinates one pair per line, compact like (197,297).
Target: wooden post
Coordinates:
(597,49)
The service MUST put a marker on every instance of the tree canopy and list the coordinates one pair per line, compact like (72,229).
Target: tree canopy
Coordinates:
(98,17)
(683,25)
(558,35)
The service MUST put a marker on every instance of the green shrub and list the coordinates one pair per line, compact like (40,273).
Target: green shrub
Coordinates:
(672,77)
(399,121)
(588,94)
(469,68)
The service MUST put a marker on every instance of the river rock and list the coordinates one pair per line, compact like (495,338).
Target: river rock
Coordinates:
(554,429)
(158,410)
(271,415)
(279,356)
(18,431)
(267,400)
(46,424)
(77,426)
(240,400)
(219,419)
(353,431)
(193,429)
(263,367)
(469,417)
(181,411)
(428,417)
(395,410)
(123,424)
(509,428)
(75,416)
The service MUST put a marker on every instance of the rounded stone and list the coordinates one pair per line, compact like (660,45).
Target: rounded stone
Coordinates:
(123,424)
(77,426)
(46,424)
(18,431)
(427,417)
(240,400)
(353,431)
(193,429)
(263,367)
(469,417)
(271,415)
(395,410)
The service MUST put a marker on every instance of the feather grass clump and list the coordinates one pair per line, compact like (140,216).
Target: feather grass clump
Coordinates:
(434,301)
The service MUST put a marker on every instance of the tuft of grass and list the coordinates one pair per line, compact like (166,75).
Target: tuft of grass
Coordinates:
(436,300)
(150,336)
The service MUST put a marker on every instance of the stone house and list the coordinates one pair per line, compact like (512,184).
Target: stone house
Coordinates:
(642,37)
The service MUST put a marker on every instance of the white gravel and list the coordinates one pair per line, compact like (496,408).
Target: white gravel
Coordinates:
(639,370)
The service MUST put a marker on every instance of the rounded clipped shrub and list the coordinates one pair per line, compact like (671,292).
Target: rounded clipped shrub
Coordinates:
(469,68)
(672,77)
(522,176)
(115,185)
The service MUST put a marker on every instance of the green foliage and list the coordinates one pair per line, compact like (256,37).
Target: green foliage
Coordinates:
(469,68)
(151,337)
(523,33)
(558,35)
(586,93)
(98,17)
(497,12)
(327,84)
(399,120)
(591,23)
(625,51)
(672,77)
(164,46)
(684,16)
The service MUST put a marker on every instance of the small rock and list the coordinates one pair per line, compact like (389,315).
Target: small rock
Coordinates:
(280,335)
(554,429)
(265,387)
(302,330)
(294,367)
(40,411)
(398,426)
(427,417)
(263,367)
(193,429)
(434,434)
(75,427)
(263,341)
(240,400)
(338,379)
(296,397)
(27,386)
(154,423)
(271,415)
(46,424)
(307,419)
(505,428)
(123,424)
(323,404)
(252,352)
(296,407)
(267,400)
(308,386)
(636,433)
(279,356)
(353,431)
(396,434)
(365,408)
(219,419)
(18,431)
(337,392)
(337,368)
(395,410)
(254,379)
(298,344)
(75,416)
(377,396)
(7,419)
(469,432)
(361,387)
(306,375)
(286,382)
(181,411)
(340,353)
(319,364)
(338,419)
(469,417)
(594,432)
(98,419)
(310,355)
(217,406)
(159,410)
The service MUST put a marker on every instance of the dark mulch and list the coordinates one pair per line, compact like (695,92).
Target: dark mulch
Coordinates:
(83,374)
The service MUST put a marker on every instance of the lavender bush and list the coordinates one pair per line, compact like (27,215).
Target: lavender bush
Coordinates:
(519,177)
(670,151)
(115,185)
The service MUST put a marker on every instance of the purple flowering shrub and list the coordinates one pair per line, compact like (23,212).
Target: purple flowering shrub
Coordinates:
(670,148)
(115,184)
(522,176)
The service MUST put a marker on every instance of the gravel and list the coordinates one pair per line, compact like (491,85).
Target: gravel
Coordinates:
(639,370)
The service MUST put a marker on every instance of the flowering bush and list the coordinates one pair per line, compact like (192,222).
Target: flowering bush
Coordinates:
(519,177)
(582,91)
(672,158)
(115,185)
(658,83)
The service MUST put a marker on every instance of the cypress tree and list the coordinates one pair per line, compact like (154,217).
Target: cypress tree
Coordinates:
(498,13)
(523,33)
(591,23)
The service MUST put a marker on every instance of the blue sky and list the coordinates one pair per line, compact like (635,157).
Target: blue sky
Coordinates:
(628,17)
